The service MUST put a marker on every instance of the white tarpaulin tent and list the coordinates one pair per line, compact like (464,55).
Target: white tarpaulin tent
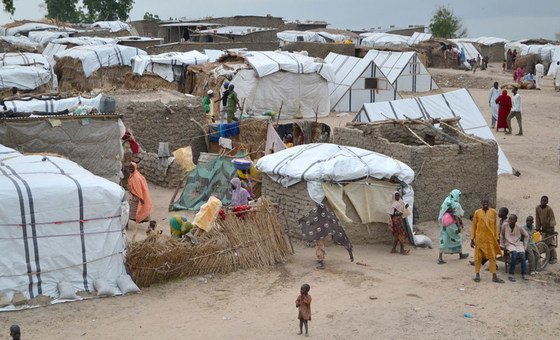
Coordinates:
(162,64)
(457,103)
(555,58)
(96,57)
(45,37)
(487,41)
(404,70)
(22,42)
(323,162)
(25,71)
(61,44)
(112,26)
(26,28)
(294,82)
(470,51)
(378,40)
(348,92)
(58,223)
(51,105)
(307,36)
(418,37)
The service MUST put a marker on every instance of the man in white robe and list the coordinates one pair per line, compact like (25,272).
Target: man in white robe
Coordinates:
(492,95)
(557,77)
(539,74)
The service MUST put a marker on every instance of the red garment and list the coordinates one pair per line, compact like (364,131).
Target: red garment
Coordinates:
(504,102)
(134,146)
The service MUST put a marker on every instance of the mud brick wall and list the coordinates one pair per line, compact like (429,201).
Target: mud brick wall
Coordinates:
(294,203)
(320,50)
(438,169)
(152,122)
(148,165)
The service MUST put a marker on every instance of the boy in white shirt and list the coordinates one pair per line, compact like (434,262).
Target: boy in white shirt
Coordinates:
(515,112)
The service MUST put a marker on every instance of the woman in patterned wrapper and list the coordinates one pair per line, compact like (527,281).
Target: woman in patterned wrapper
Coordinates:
(397,223)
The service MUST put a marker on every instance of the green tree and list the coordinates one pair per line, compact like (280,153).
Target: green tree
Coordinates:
(445,24)
(64,10)
(151,17)
(9,6)
(107,10)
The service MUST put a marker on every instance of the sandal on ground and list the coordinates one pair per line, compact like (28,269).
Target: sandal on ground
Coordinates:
(405,252)
(394,251)
(441,262)
(512,279)
(498,280)
(463,256)
(476,279)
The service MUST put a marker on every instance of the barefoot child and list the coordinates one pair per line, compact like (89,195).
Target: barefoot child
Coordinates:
(303,303)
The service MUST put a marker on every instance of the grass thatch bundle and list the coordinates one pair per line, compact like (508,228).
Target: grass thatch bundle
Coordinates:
(148,81)
(234,243)
(71,76)
(253,134)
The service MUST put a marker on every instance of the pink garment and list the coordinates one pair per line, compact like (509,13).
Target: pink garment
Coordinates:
(518,74)
(239,196)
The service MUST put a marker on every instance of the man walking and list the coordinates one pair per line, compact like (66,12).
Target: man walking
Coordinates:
(539,74)
(492,96)
(545,223)
(484,240)
(515,112)
(232,104)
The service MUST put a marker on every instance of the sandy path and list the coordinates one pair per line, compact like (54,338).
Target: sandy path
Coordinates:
(415,297)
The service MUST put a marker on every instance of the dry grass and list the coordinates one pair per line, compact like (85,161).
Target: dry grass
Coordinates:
(256,241)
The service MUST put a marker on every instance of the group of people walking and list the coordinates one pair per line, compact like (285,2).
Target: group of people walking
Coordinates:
(505,108)
(490,238)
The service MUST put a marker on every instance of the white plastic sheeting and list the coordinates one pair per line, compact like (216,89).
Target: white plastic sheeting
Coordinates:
(323,162)
(21,42)
(51,105)
(347,93)
(404,70)
(470,51)
(85,41)
(457,103)
(266,63)
(96,57)
(383,40)
(162,64)
(555,59)
(236,30)
(112,26)
(304,93)
(25,71)
(45,37)
(418,37)
(26,28)
(307,36)
(335,37)
(6,152)
(487,41)
(58,223)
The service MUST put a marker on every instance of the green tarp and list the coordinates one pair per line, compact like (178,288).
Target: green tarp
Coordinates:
(208,179)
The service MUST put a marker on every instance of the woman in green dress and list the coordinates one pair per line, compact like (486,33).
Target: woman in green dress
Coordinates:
(450,226)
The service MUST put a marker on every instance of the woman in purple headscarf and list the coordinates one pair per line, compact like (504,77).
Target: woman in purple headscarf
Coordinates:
(239,196)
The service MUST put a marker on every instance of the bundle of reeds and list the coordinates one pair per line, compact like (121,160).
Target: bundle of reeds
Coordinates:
(253,240)
(71,76)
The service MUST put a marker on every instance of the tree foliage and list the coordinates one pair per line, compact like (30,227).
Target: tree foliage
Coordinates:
(445,24)
(9,6)
(64,10)
(107,10)
(151,17)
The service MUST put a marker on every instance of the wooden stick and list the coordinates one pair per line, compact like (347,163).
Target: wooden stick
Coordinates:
(415,135)
(279,112)
(181,185)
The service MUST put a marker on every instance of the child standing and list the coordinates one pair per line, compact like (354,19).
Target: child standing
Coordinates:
(532,250)
(303,303)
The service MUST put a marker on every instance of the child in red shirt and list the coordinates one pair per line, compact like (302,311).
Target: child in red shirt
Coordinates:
(303,303)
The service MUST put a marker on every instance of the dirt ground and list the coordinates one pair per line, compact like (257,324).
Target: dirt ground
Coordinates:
(380,296)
